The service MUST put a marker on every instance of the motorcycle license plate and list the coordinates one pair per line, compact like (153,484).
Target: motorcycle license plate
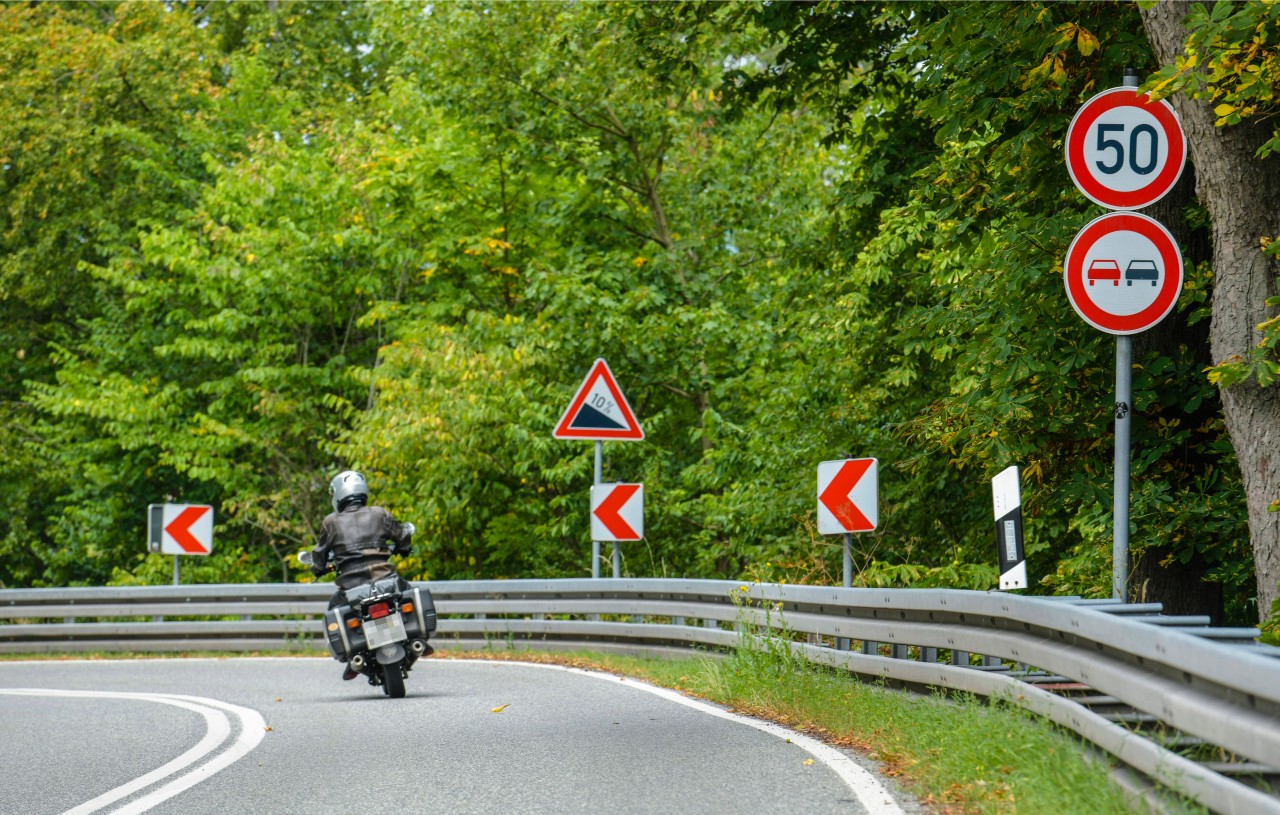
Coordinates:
(384,630)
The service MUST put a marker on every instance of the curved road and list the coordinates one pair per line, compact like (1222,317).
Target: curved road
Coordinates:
(197,736)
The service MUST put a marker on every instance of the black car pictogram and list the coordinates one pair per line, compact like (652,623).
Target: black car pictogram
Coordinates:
(1142,270)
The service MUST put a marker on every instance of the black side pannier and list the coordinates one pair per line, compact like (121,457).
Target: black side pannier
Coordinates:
(344,639)
(421,622)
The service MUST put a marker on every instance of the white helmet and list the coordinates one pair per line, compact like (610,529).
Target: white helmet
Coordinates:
(346,487)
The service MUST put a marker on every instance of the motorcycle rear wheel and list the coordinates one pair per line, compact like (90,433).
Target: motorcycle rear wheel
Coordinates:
(393,680)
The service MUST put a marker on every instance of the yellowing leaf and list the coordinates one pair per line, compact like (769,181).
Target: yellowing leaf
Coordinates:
(1086,42)
(807,762)
(1224,110)
(1059,75)
(500,708)
(1038,73)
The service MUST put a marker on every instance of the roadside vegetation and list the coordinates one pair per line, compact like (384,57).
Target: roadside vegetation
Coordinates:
(246,245)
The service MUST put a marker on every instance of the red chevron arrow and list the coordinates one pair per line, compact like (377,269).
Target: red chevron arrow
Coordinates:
(836,496)
(609,508)
(180,530)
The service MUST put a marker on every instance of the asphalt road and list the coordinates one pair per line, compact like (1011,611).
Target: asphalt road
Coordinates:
(279,736)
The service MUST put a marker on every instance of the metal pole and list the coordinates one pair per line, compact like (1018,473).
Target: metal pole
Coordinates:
(848,560)
(175,570)
(842,643)
(1120,503)
(595,545)
(1124,399)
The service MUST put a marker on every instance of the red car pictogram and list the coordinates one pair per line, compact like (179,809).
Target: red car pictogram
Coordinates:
(1104,270)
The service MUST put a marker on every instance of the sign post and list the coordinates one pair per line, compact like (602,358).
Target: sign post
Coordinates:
(1124,152)
(595,542)
(599,412)
(848,502)
(180,529)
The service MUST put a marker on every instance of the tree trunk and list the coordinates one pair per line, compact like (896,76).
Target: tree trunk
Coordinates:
(1179,588)
(1242,195)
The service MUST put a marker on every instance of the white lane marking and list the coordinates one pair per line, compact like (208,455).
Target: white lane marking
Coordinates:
(873,795)
(252,729)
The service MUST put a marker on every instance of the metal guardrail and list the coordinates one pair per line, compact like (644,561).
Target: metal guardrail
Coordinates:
(1192,708)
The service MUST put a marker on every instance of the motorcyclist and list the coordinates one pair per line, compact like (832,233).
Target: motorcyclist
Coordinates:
(355,536)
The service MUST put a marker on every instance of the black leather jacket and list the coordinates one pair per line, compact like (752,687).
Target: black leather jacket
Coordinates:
(357,539)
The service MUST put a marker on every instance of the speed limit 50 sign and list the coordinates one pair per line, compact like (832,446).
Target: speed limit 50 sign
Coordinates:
(1125,151)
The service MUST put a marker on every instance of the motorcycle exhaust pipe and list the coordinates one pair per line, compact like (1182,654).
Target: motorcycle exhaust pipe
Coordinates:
(357,663)
(417,647)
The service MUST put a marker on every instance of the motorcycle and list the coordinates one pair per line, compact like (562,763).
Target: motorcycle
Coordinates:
(380,630)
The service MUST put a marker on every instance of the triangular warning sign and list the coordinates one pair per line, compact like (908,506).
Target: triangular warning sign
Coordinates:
(599,411)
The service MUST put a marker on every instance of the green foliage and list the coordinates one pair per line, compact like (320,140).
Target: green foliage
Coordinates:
(246,245)
(1271,626)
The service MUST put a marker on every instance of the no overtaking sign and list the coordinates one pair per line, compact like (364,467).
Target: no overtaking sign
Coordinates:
(1123,273)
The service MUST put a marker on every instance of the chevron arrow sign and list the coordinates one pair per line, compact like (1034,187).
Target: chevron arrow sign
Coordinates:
(847,496)
(617,512)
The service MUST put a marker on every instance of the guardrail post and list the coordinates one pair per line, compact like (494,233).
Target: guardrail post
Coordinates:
(960,658)
(870,647)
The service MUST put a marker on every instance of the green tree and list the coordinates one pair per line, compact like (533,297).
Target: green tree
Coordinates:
(96,106)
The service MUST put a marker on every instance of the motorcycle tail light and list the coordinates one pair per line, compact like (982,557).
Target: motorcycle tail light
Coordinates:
(378,611)
(407,608)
